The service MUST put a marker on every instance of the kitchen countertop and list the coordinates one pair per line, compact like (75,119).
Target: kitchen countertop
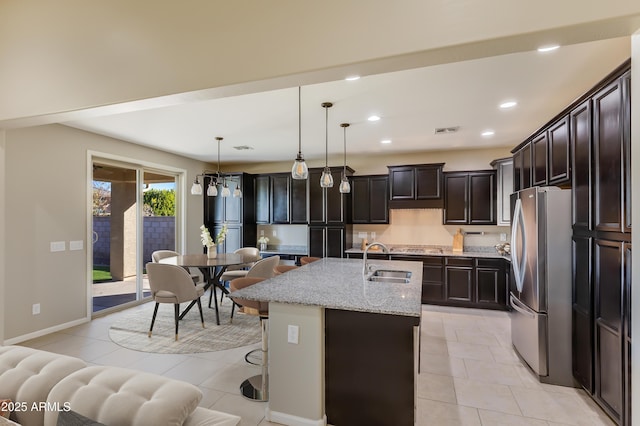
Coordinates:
(291,250)
(338,284)
(483,252)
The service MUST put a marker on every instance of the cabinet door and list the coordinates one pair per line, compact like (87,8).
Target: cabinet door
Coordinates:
(627,334)
(459,279)
(490,283)
(233,205)
(482,198)
(581,172)
(316,198)
(298,201)
(456,201)
(432,279)
(334,200)
(517,171)
(316,241)
(378,199)
(428,181)
(402,183)
(280,198)
(608,161)
(360,203)
(558,149)
(626,146)
(262,199)
(234,239)
(582,347)
(335,242)
(608,285)
(504,183)
(525,178)
(214,205)
(539,160)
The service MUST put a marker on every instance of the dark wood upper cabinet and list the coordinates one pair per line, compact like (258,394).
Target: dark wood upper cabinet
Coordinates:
(608,158)
(626,147)
(580,119)
(526,176)
(262,199)
(370,199)
(539,160)
(558,166)
(470,198)
(327,206)
(517,171)
(416,186)
(280,188)
(298,201)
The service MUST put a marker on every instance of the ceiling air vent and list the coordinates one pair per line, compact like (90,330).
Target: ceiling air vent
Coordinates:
(443,130)
(243,147)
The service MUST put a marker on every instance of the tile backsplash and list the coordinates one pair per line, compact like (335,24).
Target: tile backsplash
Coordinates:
(424,227)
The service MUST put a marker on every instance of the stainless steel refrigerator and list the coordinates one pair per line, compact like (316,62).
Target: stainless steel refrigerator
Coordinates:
(540,297)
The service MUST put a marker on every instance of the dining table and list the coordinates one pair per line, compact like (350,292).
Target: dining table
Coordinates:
(212,269)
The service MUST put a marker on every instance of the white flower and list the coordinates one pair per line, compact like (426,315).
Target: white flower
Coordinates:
(205,237)
(222,234)
(263,240)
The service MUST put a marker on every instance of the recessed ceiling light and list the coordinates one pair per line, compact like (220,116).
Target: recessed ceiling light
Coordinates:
(373,118)
(549,48)
(353,78)
(509,104)
(385,141)
(488,133)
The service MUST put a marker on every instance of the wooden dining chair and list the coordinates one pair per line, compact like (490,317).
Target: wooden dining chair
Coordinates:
(281,269)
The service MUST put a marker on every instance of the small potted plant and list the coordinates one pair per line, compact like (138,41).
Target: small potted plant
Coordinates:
(209,242)
(263,243)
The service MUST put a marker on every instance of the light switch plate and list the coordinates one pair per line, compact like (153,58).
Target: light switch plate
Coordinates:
(292,334)
(362,235)
(373,236)
(76,245)
(58,246)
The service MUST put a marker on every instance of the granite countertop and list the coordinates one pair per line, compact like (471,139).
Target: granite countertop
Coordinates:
(292,250)
(338,284)
(483,252)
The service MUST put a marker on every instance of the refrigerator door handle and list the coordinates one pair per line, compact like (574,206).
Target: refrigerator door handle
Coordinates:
(520,307)
(519,259)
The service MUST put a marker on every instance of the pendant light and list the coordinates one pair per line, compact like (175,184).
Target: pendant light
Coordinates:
(345,188)
(326,180)
(299,170)
(196,188)
(214,181)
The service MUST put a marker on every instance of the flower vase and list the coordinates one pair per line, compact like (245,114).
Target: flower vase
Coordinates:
(212,252)
(263,246)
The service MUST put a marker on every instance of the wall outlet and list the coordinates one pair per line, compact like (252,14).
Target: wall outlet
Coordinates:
(274,233)
(76,245)
(57,246)
(362,235)
(35,309)
(373,236)
(292,334)
(503,237)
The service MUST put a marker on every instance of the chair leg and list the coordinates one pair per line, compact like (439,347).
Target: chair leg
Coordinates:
(176,308)
(233,309)
(153,319)
(200,309)
(257,387)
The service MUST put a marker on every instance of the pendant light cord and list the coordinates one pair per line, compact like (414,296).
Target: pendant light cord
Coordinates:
(344,168)
(326,136)
(299,123)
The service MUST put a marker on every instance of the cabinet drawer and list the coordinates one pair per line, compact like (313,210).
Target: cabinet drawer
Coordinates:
(460,261)
(489,263)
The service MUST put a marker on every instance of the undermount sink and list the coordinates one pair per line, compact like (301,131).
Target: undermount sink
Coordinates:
(390,276)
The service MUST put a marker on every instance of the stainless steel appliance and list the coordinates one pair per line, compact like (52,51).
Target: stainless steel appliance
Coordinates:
(541,296)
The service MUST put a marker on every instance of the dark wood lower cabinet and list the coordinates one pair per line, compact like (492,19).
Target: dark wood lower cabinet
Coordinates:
(459,280)
(370,368)
(582,312)
(328,241)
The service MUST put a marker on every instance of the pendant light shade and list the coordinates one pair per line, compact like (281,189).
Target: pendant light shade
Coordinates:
(236,192)
(345,187)
(299,170)
(196,188)
(225,190)
(212,191)
(326,180)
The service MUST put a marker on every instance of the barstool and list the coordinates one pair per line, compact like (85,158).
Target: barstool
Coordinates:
(308,259)
(255,387)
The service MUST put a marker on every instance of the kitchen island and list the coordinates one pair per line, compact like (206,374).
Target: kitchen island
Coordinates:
(356,357)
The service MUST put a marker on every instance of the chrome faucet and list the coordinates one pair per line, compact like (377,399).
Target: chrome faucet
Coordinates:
(365,267)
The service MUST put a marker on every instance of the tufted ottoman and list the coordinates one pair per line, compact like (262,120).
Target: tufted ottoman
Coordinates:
(26,377)
(119,396)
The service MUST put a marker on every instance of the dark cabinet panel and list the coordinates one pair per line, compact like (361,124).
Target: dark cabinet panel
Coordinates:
(335,201)
(328,241)
(490,282)
(525,177)
(608,161)
(416,186)
(470,198)
(539,160)
(456,189)
(558,148)
(317,213)
(370,199)
(432,276)
(428,182)
(262,199)
(582,313)
(608,311)
(316,241)
(298,203)
(626,147)
(517,171)
(580,127)
(232,208)
(459,283)
(328,206)
(335,242)
(280,198)
(627,334)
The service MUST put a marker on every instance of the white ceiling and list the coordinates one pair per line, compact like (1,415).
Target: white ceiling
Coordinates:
(411,105)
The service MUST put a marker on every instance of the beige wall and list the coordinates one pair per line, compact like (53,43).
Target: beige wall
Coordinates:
(3,211)
(69,55)
(46,198)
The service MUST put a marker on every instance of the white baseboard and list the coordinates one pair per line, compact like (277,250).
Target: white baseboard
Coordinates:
(45,331)
(290,420)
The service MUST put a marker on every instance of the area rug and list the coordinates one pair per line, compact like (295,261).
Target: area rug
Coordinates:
(131,331)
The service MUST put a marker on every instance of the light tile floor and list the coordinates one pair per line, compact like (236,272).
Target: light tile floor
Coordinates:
(469,373)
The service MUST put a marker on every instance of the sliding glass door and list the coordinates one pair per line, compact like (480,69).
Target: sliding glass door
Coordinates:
(133,214)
